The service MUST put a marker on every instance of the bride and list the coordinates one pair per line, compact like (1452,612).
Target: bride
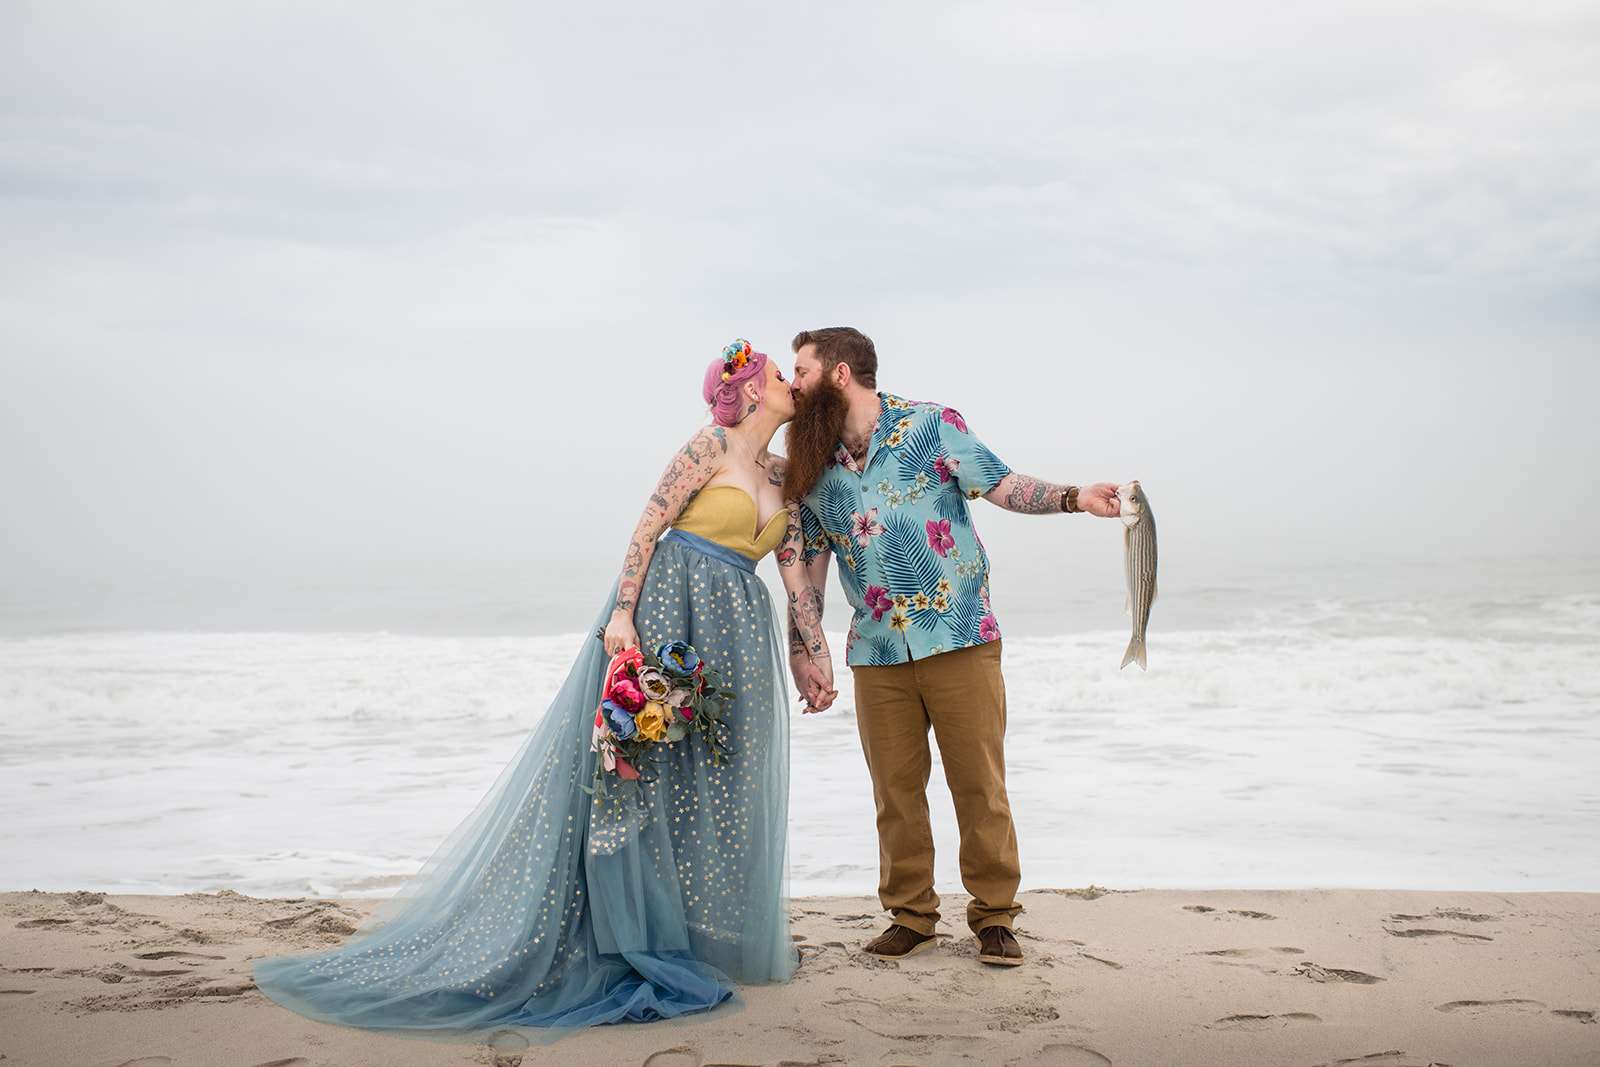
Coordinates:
(552,907)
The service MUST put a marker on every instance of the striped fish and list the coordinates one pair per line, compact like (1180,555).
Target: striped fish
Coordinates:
(1139,551)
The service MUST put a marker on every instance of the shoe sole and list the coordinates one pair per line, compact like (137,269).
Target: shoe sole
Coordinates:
(923,947)
(1001,961)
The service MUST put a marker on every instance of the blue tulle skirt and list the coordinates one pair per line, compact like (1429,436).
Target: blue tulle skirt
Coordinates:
(551,908)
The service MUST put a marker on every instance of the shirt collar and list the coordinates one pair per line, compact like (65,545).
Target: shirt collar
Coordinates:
(841,454)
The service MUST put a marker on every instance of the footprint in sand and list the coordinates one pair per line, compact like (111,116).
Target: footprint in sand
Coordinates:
(1481,1007)
(1459,914)
(292,1061)
(29,924)
(1392,1058)
(1243,953)
(508,1048)
(173,954)
(1335,974)
(1264,1022)
(1250,914)
(1113,964)
(1574,1013)
(1061,1055)
(1201,908)
(674,1057)
(1457,934)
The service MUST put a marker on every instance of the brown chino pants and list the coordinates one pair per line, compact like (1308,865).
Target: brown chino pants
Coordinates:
(962,696)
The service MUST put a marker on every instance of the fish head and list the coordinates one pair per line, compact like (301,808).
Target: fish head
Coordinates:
(1131,510)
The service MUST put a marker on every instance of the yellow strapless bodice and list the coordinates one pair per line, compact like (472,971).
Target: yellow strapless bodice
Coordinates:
(728,515)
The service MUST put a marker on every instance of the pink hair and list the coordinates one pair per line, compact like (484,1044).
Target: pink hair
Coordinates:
(727,408)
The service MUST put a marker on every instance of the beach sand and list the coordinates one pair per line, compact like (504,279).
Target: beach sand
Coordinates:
(1149,977)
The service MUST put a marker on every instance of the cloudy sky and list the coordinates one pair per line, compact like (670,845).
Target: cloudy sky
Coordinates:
(284,287)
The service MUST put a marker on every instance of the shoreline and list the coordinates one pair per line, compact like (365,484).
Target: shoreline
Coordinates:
(1380,978)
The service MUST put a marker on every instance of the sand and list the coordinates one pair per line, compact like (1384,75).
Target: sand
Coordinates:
(1152,977)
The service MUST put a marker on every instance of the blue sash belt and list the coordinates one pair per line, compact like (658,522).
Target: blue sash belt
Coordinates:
(712,549)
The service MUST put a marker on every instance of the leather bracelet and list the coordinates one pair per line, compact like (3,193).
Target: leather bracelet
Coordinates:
(1069,500)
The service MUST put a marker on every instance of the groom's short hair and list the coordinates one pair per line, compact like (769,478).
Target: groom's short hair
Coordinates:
(843,344)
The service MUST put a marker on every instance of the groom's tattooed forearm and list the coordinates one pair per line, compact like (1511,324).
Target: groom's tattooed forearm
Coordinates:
(691,467)
(1026,495)
(797,642)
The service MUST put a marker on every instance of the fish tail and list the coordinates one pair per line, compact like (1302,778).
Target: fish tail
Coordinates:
(1135,653)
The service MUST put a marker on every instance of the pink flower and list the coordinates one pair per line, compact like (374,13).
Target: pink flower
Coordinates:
(939,538)
(946,467)
(626,693)
(625,769)
(988,629)
(953,417)
(878,602)
(865,527)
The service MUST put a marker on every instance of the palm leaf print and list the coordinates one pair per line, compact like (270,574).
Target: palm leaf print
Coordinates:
(909,565)
(837,504)
(920,446)
(882,652)
(966,613)
(887,421)
(950,504)
(990,465)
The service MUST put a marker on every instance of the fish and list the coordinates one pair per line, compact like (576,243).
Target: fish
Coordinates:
(1139,552)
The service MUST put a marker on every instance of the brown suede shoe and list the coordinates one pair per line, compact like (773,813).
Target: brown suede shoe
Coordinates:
(898,942)
(998,946)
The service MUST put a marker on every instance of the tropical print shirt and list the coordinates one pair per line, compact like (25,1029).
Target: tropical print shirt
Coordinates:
(909,556)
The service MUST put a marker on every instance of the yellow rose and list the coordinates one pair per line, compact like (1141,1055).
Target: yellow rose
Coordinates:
(652,721)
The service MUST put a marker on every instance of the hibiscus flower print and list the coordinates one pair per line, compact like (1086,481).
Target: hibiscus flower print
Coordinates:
(877,601)
(865,527)
(945,467)
(953,417)
(988,629)
(939,538)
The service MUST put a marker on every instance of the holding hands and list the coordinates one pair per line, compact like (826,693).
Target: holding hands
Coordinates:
(814,679)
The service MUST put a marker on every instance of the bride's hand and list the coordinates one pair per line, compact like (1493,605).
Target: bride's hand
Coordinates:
(620,633)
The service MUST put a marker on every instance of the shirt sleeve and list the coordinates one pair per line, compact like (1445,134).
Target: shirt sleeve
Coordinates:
(816,541)
(968,461)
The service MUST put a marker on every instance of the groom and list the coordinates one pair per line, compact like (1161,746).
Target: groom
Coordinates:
(881,484)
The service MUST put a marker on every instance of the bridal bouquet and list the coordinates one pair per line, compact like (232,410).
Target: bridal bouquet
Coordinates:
(658,698)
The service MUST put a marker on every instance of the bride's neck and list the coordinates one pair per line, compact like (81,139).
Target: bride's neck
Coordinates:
(755,433)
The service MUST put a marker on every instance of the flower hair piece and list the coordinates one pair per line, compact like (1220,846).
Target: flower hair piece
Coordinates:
(735,357)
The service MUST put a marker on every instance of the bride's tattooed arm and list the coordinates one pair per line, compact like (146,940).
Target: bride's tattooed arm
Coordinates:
(1030,496)
(690,469)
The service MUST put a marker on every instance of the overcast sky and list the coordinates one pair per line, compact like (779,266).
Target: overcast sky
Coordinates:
(289,285)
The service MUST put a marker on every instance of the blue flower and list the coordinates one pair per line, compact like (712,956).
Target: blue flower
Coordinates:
(622,723)
(678,657)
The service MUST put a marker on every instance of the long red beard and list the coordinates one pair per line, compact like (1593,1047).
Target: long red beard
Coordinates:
(812,436)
